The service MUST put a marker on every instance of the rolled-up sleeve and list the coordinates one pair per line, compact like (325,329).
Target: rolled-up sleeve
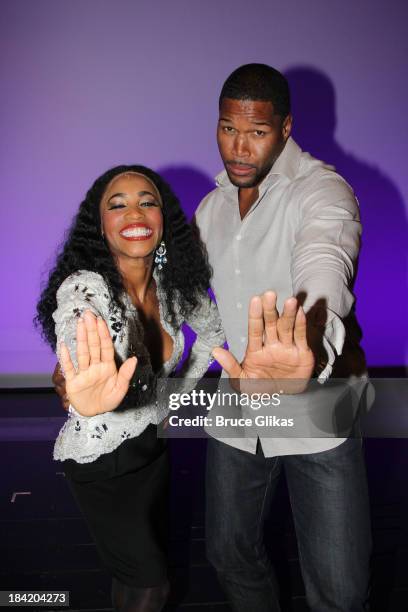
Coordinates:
(324,258)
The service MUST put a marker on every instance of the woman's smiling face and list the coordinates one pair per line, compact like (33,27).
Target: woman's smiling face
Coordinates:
(131,216)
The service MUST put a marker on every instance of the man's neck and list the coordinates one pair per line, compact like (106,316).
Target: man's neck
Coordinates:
(246,197)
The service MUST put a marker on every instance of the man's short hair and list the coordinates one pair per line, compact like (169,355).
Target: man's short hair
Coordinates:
(258,82)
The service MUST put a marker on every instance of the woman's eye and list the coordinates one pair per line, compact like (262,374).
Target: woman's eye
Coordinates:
(147,203)
(113,206)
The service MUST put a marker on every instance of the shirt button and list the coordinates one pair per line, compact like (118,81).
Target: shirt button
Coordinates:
(239,305)
(239,237)
(237,272)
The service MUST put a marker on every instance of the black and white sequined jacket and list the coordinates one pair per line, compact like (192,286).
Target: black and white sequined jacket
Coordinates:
(86,438)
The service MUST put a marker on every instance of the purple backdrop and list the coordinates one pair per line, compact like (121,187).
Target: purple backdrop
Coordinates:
(87,85)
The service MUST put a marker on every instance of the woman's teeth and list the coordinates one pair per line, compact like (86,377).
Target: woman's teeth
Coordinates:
(135,232)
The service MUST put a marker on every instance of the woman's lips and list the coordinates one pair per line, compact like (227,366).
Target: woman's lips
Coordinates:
(240,169)
(136,231)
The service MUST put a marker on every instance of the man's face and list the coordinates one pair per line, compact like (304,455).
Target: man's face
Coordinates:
(250,138)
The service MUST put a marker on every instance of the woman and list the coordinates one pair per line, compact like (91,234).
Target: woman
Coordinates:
(131,259)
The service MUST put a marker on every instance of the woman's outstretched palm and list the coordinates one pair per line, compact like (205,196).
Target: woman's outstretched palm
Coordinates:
(97,386)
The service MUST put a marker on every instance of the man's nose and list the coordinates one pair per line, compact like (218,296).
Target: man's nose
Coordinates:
(241,146)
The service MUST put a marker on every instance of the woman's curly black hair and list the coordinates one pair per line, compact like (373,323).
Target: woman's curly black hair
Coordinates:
(184,278)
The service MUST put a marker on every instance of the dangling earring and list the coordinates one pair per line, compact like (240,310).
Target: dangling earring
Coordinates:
(160,257)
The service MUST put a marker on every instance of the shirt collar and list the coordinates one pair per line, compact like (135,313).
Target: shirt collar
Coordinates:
(286,165)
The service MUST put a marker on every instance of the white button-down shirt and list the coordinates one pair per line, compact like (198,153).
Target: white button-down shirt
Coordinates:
(301,236)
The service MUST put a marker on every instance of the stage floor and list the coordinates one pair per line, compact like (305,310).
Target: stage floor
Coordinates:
(45,543)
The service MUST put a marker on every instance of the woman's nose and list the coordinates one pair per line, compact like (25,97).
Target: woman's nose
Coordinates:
(135,212)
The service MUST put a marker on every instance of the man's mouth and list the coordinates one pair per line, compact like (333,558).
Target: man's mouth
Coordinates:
(239,169)
(136,231)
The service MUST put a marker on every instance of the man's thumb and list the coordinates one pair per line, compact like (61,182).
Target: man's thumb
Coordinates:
(228,362)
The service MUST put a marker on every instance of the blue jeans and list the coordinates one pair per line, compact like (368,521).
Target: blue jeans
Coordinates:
(329,500)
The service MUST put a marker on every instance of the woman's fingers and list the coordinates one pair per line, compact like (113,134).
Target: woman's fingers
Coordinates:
(94,344)
(66,362)
(126,371)
(82,345)
(99,341)
(106,344)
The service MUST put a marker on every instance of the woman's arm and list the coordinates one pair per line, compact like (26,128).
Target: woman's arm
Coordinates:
(80,351)
(95,386)
(205,321)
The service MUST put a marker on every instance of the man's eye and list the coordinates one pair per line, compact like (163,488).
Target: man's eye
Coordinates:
(260,132)
(228,129)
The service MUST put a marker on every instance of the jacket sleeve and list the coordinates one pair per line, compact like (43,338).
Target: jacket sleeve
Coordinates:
(81,291)
(205,321)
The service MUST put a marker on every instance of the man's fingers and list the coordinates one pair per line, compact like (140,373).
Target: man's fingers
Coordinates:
(300,336)
(286,322)
(107,350)
(255,324)
(58,377)
(82,345)
(94,345)
(66,362)
(270,315)
(228,362)
(65,402)
(126,371)
(58,380)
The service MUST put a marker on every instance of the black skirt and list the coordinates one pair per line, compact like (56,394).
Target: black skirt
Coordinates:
(124,498)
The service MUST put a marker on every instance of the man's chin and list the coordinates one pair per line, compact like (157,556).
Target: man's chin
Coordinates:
(243,182)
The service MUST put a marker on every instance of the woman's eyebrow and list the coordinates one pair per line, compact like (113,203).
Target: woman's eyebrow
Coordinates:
(140,194)
(123,195)
(143,193)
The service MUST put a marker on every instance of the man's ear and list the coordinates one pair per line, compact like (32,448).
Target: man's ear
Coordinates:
(287,127)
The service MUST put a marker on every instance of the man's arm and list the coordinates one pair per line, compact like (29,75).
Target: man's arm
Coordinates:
(58,380)
(277,351)
(323,268)
(324,264)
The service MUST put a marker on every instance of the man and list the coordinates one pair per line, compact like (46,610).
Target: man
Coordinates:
(279,218)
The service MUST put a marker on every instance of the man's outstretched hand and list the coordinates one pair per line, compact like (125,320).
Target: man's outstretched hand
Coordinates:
(97,386)
(277,351)
(58,380)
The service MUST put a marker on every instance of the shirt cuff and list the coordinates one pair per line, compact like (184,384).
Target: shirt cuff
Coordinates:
(333,342)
